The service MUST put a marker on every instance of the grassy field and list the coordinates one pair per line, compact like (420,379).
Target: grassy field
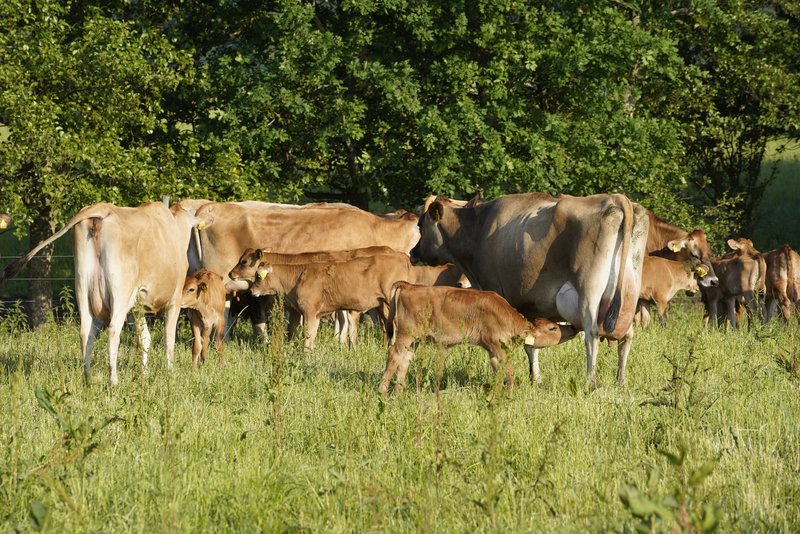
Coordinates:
(705,430)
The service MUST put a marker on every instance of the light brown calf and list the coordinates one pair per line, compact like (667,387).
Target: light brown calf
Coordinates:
(783,270)
(741,276)
(450,316)
(661,280)
(317,289)
(204,297)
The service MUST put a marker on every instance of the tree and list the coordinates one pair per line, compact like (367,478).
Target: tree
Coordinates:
(81,97)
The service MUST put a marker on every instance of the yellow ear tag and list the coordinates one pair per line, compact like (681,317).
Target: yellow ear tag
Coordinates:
(701,272)
(3,224)
(530,340)
(262,274)
(201,225)
(674,247)
(201,289)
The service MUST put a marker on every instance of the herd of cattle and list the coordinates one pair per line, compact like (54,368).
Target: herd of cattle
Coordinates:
(483,272)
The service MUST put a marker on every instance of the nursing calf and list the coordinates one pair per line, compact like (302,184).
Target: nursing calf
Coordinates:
(450,316)
(204,298)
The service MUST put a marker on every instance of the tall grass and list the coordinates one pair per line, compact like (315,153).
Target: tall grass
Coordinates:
(184,451)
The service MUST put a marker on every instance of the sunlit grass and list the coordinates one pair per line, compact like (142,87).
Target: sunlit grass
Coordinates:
(191,451)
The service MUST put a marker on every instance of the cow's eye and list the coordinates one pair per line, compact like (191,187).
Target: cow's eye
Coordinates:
(191,290)
(553,328)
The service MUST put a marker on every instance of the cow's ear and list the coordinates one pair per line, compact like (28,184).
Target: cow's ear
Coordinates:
(202,287)
(435,211)
(474,201)
(734,244)
(259,254)
(676,244)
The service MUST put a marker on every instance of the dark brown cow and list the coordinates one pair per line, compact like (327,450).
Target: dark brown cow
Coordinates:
(741,276)
(668,241)
(661,281)
(317,289)
(204,297)
(125,256)
(450,316)
(783,270)
(573,258)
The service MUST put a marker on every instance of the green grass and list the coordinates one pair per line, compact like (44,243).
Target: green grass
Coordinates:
(188,451)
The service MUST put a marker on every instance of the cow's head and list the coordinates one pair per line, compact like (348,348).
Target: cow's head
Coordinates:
(435,223)
(697,272)
(543,333)
(195,289)
(742,246)
(262,285)
(246,267)
(695,246)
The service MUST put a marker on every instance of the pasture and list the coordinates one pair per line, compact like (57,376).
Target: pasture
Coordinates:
(704,432)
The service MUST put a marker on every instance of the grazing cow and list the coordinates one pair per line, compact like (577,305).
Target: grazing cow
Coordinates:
(450,316)
(670,242)
(317,289)
(661,280)
(783,270)
(204,297)
(574,258)
(125,256)
(230,228)
(741,277)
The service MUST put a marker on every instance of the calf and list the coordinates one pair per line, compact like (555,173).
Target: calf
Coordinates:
(741,276)
(317,289)
(204,297)
(783,268)
(450,316)
(661,280)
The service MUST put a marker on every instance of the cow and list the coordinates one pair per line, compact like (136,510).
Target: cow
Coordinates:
(741,275)
(125,257)
(783,270)
(670,242)
(450,316)
(661,280)
(229,228)
(203,296)
(573,258)
(313,290)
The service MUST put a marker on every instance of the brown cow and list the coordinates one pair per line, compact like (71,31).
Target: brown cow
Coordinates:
(574,258)
(204,297)
(741,277)
(317,289)
(668,241)
(230,228)
(125,256)
(450,316)
(783,270)
(661,281)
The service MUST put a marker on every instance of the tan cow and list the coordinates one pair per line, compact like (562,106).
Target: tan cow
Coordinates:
(668,241)
(573,258)
(661,281)
(741,276)
(204,297)
(783,278)
(317,289)
(230,228)
(125,256)
(450,316)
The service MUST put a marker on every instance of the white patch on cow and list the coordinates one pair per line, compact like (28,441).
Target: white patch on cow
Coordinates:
(567,303)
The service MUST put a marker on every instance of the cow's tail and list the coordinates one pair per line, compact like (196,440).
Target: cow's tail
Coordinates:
(791,287)
(393,298)
(610,320)
(100,211)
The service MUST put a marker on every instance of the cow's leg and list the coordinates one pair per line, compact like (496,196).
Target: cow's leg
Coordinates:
(393,358)
(115,326)
(533,364)
(197,341)
(730,305)
(623,348)
(592,343)
(206,333)
(354,319)
(144,337)
(294,322)
(311,320)
(340,325)
(171,314)
(496,355)
(229,320)
(90,328)
(661,306)
(770,307)
(399,361)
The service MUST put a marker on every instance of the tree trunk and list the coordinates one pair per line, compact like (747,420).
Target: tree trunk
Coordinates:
(40,289)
